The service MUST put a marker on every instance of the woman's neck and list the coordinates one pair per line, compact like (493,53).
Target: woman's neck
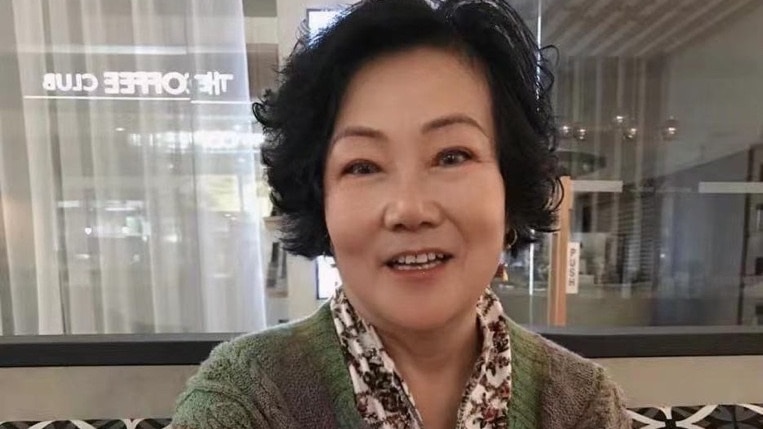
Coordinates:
(436,366)
(450,351)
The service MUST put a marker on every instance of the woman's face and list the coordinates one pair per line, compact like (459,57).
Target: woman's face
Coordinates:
(414,200)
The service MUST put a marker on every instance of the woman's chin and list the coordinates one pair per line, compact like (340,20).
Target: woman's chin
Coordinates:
(395,306)
(420,317)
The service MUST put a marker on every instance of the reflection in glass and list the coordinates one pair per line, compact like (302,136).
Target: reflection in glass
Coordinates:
(128,169)
(669,95)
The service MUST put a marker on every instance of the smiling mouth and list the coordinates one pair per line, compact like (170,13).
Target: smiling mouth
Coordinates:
(418,261)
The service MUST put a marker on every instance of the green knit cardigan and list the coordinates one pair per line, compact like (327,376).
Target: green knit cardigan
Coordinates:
(294,377)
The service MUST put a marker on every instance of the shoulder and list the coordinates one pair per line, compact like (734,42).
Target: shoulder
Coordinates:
(572,367)
(251,354)
(247,379)
(570,389)
(560,366)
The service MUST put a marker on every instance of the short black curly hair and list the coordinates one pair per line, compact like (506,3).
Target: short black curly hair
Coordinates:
(298,118)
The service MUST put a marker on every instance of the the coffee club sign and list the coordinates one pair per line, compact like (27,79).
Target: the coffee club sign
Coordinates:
(169,85)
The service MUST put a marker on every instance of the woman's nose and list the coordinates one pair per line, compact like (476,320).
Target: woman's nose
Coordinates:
(411,207)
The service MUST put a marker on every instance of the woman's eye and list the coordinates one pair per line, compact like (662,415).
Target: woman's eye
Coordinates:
(453,157)
(360,168)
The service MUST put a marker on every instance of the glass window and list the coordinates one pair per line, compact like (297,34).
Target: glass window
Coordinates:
(660,129)
(132,198)
(130,189)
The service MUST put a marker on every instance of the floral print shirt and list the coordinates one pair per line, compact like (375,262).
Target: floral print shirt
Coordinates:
(382,396)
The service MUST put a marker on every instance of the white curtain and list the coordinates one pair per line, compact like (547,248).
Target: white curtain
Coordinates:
(127,205)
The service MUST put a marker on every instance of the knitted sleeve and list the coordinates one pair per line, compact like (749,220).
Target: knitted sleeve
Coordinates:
(606,408)
(230,392)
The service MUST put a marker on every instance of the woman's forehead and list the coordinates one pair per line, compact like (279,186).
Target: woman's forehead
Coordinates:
(415,87)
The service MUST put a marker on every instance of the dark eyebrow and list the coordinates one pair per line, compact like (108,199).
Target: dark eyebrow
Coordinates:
(449,120)
(359,131)
(433,125)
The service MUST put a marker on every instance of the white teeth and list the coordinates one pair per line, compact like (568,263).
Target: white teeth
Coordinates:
(418,267)
(420,261)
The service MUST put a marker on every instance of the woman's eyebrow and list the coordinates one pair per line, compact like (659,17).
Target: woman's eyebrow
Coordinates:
(453,119)
(359,131)
(433,125)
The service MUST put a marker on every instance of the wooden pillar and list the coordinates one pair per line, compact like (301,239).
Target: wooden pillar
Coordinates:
(557,287)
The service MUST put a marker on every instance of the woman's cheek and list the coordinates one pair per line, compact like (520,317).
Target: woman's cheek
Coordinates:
(350,211)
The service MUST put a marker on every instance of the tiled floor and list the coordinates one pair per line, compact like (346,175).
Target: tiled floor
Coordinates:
(90,424)
(741,416)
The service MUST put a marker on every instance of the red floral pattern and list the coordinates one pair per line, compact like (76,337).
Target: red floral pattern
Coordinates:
(382,396)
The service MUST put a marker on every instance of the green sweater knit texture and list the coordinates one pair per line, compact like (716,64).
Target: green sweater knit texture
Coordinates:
(294,377)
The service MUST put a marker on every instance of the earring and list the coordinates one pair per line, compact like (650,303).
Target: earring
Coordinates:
(514,238)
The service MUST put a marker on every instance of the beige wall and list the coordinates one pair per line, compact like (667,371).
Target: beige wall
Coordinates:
(688,380)
(90,392)
(135,392)
(260,30)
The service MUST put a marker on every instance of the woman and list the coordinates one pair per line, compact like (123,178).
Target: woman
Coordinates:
(414,143)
